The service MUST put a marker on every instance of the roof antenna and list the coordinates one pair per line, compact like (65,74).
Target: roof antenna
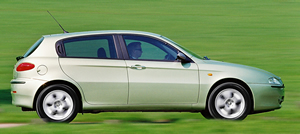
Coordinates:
(58,23)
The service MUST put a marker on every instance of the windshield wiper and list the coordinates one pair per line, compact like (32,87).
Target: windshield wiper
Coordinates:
(206,58)
(19,58)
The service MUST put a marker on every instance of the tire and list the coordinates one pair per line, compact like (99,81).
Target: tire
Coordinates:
(229,101)
(206,114)
(57,103)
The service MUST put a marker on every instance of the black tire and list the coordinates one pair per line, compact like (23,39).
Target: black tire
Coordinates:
(229,101)
(205,113)
(57,103)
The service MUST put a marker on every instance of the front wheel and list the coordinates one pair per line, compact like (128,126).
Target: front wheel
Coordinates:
(57,103)
(229,101)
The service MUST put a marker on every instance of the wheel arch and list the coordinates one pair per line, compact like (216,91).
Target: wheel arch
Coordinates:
(242,83)
(58,82)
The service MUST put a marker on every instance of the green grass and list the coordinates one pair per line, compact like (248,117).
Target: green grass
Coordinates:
(259,33)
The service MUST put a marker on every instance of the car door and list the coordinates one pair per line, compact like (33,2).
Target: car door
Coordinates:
(95,63)
(154,74)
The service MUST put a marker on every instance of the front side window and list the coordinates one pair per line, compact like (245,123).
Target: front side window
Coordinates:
(90,47)
(187,50)
(144,48)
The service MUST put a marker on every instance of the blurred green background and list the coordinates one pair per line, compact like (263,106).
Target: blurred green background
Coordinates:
(260,33)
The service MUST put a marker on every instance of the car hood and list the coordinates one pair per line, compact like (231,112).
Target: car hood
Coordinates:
(231,70)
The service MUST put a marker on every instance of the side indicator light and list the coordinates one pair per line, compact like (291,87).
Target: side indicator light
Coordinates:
(25,66)
(14,92)
(210,74)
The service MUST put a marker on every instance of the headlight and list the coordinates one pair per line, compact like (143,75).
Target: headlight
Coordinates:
(275,81)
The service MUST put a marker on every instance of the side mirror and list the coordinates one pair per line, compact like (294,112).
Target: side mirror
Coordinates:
(181,57)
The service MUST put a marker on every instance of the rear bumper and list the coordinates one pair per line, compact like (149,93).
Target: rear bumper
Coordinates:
(267,97)
(23,91)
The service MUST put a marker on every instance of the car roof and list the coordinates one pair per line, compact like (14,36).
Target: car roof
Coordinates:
(64,35)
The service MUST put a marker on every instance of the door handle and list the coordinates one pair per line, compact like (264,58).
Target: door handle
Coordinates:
(138,67)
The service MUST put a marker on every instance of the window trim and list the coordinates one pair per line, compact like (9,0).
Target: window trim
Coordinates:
(60,49)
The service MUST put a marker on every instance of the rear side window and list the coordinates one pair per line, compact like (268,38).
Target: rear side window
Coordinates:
(90,47)
(33,47)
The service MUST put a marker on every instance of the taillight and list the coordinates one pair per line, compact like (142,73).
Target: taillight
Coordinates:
(25,67)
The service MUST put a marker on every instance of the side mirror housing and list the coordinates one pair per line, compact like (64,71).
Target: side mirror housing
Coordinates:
(181,57)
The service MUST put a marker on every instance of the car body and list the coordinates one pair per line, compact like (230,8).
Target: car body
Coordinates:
(96,71)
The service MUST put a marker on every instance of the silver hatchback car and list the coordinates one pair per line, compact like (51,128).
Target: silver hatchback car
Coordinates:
(123,71)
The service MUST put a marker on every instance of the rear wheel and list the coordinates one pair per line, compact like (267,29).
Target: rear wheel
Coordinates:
(57,103)
(229,101)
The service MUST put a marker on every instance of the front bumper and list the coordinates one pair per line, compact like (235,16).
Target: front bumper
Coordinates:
(267,97)
(23,91)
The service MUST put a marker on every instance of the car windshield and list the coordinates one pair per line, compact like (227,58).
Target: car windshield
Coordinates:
(185,49)
(33,47)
